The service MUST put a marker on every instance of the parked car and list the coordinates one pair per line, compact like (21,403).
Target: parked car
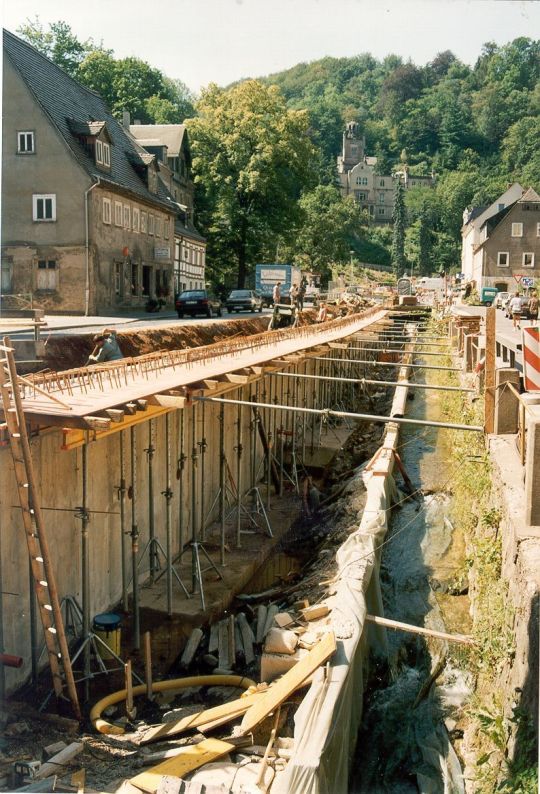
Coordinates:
(244,300)
(488,295)
(197,301)
(501,299)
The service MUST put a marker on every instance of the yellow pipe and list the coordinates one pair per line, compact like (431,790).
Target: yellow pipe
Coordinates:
(161,686)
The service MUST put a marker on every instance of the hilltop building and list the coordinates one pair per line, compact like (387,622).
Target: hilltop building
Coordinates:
(358,177)
(501,242)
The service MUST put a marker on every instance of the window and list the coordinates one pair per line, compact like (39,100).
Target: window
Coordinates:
(99,152)
(144,216)
(25,143)
(364,180)
(500,207)
(503,259)
(159,227)
(117,213)
(136,219)
(517,230)
(106,154)
(127,216)
(166,228)
(381,210)
(381,183)
(527,259)
(106,210)
(44,207)
(381,198)
(538,229)
(151,220)
(46,274)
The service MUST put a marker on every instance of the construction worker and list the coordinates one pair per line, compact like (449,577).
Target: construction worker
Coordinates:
(276,293)
(106,348)
(322,315)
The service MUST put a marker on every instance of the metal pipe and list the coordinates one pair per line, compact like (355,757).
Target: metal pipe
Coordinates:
(403,341)
(239,473)
(411,385)
(134,541)
(123,539)
(392,364)
(389,350)
(87,247)
(85,570)
(349,415)
(181,465)
(222,482)
(152,553)
(194,456)
(168,494)
(203,447)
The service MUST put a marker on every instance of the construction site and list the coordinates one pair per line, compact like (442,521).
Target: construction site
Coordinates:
(251,560)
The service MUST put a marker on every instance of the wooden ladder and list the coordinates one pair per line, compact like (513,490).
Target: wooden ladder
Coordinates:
(34,528)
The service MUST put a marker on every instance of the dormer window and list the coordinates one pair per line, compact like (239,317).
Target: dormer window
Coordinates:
(103,153)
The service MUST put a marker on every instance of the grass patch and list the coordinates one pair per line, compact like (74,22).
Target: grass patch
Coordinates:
(475,511)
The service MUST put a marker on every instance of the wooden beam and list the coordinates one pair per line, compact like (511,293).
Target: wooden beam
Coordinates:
(142,405)
(97,422)
(188,760)
(289,683)
(230,710)
(169,400)
(114,414)
(233,377)
(399,626)
(130,408)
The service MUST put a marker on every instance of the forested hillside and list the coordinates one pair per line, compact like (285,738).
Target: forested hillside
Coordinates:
(477,128)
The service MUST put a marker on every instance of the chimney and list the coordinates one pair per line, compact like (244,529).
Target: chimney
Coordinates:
(126,120)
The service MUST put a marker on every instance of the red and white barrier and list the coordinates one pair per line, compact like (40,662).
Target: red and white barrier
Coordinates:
(531,358)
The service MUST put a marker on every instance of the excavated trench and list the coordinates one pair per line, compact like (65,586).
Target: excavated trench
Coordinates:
(405,742)
(410,725)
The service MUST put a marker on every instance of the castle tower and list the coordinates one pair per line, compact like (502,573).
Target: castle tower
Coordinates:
(354,145)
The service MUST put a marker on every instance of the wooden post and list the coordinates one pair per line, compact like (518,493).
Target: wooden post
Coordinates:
(129,689)
(148,664)
(489,394)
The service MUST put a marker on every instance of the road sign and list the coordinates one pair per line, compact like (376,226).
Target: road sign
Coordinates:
(527,281)
(531,358)
(518,277)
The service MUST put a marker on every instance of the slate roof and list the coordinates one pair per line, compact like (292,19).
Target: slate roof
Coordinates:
(70,106)
(188,230)
(169,135)
(529,195)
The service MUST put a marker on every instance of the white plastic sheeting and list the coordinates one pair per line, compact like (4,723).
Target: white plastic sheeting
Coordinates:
(327,721)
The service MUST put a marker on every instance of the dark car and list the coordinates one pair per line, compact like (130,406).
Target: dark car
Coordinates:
(244,300)
(197,301)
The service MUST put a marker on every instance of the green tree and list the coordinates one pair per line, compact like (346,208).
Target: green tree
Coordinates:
(521,153)
(329,228)
(58,43)
(399,262)
(252,157)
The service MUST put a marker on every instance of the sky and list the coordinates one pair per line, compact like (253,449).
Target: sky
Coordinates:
(203,41)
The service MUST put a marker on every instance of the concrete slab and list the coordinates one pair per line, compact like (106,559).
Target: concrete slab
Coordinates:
(505,458)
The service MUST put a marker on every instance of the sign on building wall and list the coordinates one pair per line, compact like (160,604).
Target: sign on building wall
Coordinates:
(162,252)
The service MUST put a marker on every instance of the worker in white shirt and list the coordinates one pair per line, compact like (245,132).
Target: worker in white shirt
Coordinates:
(276,293)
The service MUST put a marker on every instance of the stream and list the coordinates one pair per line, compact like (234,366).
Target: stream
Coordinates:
(405,741)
